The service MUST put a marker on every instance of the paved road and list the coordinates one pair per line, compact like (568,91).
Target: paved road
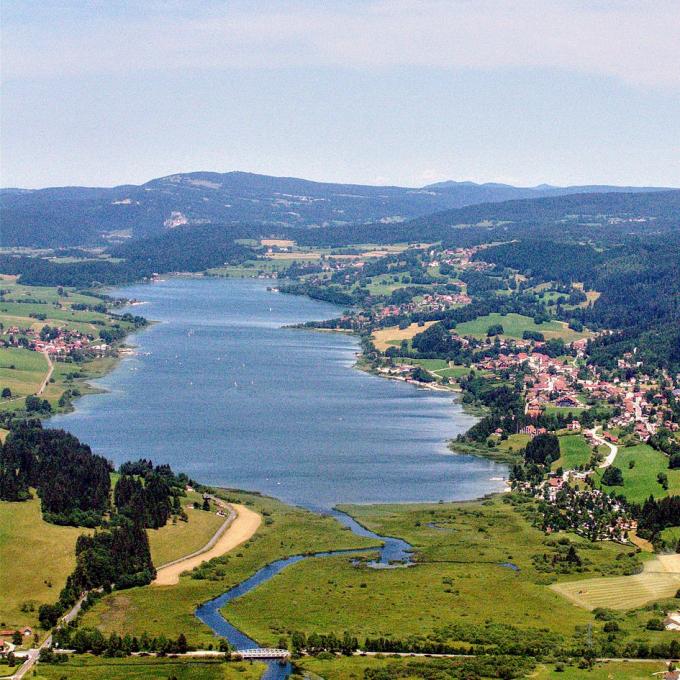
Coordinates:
(33,654)
(613,449)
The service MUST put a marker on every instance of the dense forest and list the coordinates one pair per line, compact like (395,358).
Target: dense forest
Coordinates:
(182,249)
(638,282)
(73,483)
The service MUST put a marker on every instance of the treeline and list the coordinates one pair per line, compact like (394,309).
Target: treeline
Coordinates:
(656,515)
(91,640)
(490,666)
(73,484)
(182,249)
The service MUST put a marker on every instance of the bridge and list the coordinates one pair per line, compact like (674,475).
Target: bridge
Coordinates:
(263,653)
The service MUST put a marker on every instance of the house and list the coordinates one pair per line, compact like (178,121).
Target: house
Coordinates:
(574,426)
(672,621)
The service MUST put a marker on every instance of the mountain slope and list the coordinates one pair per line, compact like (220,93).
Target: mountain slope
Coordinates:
(68,216)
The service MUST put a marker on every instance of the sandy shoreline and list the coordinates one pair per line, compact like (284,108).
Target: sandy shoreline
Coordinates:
(239,530)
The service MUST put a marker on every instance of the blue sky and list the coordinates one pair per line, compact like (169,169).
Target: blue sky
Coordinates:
(390,92)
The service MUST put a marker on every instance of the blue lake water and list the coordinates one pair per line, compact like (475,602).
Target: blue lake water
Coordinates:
(220,390)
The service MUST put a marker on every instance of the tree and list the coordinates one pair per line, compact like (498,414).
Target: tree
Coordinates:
(542,449)
(494,329)
(6,393)
(612,476)
(16,638)
(182,645)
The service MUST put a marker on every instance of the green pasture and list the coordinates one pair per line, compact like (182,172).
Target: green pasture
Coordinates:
(574,451)
(180,538)
(36,559)
(640,482)
(515,324)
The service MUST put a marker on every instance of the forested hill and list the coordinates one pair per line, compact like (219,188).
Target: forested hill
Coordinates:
(69,216)
(604,215)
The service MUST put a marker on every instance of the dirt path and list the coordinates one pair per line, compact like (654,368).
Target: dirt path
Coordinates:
(232,533)
(50,370)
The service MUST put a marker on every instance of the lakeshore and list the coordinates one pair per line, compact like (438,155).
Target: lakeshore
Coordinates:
(358,438)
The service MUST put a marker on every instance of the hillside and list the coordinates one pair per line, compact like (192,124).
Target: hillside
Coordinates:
(68,216)
(605,215)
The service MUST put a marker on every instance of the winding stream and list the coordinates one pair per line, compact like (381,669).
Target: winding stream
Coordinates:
(394,552)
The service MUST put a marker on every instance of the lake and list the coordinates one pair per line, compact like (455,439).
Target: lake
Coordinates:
(219,390)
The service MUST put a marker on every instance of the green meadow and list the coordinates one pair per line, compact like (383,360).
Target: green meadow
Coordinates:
(461,577)
(170,609)
(515,324)
(36,559)
(574,451)
(354,668)
(640,481)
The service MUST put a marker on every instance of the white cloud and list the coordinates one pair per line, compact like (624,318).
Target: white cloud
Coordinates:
(636,42)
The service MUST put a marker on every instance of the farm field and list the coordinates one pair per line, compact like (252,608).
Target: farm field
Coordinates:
(461,550)
(574,451)
(22,370)
(87,667)
(159,609)
(515,324)
(392,336)
(28,576)
(640,482)
(659,579)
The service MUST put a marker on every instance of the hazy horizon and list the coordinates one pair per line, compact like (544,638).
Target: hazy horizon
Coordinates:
(380,92)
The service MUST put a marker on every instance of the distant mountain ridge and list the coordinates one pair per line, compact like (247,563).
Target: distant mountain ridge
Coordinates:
(69,216)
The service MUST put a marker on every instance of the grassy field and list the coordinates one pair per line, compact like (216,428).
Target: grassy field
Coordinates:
(659,579)
(389,337)
(285,531)
(36,559)
(640,482)
(671,535)
(22,370)
(574,451)
(514,443)
(515,324)
(182,538)
(459,578)
(87,667)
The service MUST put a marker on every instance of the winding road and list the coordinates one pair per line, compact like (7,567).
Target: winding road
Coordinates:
(613,449)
